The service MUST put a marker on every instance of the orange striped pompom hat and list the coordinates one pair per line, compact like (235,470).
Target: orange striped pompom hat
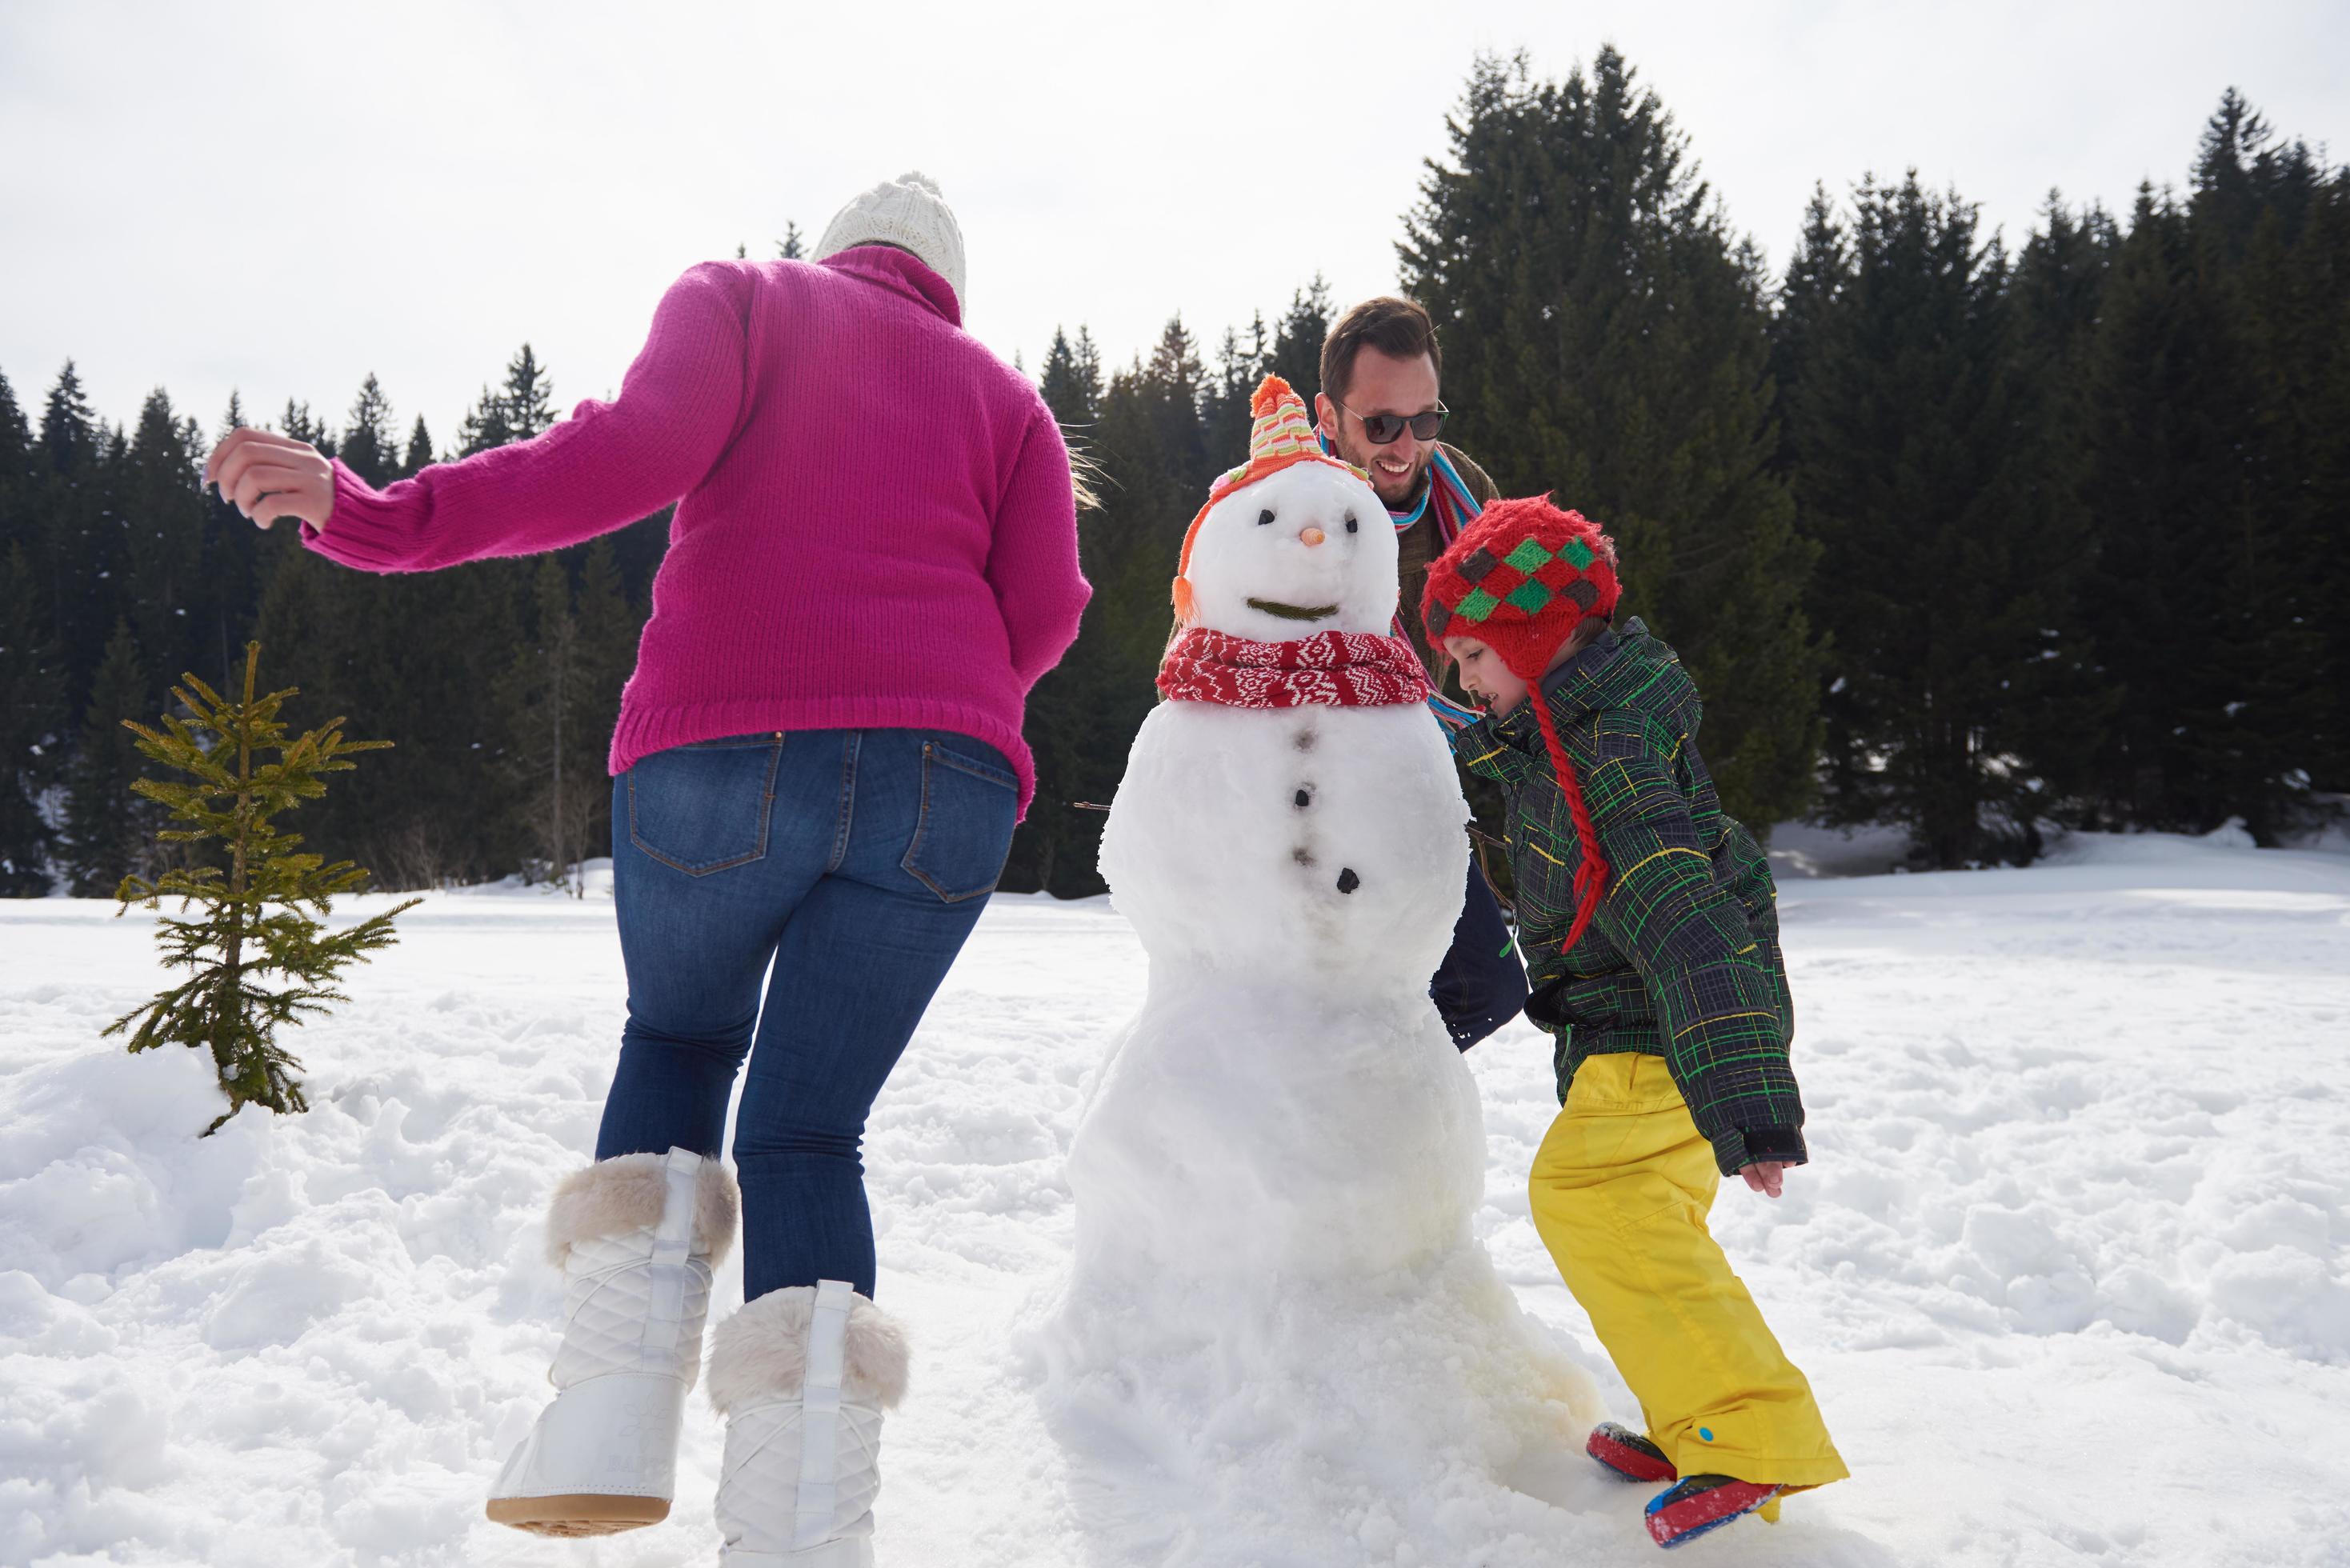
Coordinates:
(1282,437)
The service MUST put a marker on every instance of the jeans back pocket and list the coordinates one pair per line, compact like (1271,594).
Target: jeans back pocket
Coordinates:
(703,807)
(965,829)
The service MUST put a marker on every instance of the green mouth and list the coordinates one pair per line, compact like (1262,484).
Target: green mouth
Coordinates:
(1292,612)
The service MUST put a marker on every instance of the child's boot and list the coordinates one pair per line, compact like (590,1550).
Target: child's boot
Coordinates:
(1628,1455)
(636,1237)
(1691,1507)
(802,1376)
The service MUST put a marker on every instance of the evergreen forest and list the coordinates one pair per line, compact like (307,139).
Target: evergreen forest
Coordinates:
(1976,535)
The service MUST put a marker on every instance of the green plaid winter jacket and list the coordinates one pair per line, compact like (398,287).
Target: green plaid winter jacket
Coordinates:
(1682,959)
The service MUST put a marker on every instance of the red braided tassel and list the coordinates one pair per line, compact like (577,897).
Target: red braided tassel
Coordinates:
(1591,876)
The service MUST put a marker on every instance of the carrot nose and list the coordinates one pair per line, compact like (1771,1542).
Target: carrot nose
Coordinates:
(1311,537)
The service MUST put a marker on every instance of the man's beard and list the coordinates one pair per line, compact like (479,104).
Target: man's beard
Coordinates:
(1404,489)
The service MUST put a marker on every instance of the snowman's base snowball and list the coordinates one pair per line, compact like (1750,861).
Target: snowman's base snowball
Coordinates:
(1280,1341)
(1418,1416)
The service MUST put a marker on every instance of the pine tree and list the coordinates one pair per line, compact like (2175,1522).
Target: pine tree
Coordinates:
(309,607)
(545,691)
(31,712)
(528,396)
(484,425)
(522,406)
(20,518)
(296,422)
(1296,353)
(419,456)
(1809,294)
(2243,173)
(561,699)
(609,626)
(255,912)
(1606,340)
(2170,440)
(1070,385)
(1052,849)
(2279,218)
(162,515)
(1089,364)
(2319,465)
(1949,558)
(1172,391)
(76,550)
(16,437)
(1241,364)
(2215,381)
(790,247)
(106,828)
(1152,463)
(410,651)
(229,574)
(369,448)
(2055,295)
(71,435)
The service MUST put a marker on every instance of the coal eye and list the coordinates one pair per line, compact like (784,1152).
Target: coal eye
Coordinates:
(1351,523)
(1263,518)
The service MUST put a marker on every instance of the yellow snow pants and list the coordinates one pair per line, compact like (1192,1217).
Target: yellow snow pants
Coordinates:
(1620,1191)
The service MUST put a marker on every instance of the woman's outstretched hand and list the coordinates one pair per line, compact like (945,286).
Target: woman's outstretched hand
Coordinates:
(268,476)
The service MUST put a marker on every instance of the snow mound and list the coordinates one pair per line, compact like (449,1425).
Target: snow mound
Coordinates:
(1803,851)
(2067,1270)
(1277,1316)
(1418,1416)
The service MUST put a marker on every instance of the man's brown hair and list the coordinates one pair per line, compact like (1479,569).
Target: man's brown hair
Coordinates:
(1396,328)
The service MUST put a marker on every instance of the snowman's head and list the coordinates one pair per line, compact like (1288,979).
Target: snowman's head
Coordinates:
(1305,550)
(1291,543)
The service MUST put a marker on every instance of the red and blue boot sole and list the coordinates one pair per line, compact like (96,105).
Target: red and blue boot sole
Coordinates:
(1628,1455)
(1696,1504)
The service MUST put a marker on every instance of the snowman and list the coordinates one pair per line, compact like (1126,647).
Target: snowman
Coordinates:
(1277,1171)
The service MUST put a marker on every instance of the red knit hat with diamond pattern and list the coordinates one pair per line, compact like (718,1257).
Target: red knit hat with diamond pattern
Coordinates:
(1520,579)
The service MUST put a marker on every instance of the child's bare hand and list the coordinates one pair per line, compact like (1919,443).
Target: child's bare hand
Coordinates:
(1765,1176)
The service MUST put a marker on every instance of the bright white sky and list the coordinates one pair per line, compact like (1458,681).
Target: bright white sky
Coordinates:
(281,196)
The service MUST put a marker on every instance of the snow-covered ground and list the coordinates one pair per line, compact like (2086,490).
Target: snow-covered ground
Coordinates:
(2068,1270)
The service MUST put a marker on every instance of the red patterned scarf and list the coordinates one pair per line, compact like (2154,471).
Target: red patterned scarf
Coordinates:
(1329,669)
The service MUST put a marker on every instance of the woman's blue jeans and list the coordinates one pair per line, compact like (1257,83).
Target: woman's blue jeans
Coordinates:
(857,861)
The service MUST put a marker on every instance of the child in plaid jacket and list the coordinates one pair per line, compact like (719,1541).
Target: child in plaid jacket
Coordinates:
(1646,918)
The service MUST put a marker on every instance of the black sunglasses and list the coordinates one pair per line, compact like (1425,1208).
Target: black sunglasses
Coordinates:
(1385,427)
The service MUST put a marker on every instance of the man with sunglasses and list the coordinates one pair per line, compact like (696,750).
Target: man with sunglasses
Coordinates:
(1380,410)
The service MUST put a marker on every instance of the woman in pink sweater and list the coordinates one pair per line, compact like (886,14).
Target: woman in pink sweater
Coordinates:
(818,766)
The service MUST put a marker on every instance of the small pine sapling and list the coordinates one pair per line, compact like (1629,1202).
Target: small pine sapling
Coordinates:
(251,926)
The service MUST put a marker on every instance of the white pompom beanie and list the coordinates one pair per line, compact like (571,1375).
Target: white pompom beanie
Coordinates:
(910,212)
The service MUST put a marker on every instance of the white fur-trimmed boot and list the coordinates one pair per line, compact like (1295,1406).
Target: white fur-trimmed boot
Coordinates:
(802,1376)
(636,1237)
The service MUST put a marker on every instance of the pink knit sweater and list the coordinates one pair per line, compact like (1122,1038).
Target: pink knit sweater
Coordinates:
(874,529)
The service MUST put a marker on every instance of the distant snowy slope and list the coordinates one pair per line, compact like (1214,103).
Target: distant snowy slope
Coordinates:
(2069,1269)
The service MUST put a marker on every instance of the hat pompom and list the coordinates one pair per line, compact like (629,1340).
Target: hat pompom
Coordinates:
(1268,396)
(910,212)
